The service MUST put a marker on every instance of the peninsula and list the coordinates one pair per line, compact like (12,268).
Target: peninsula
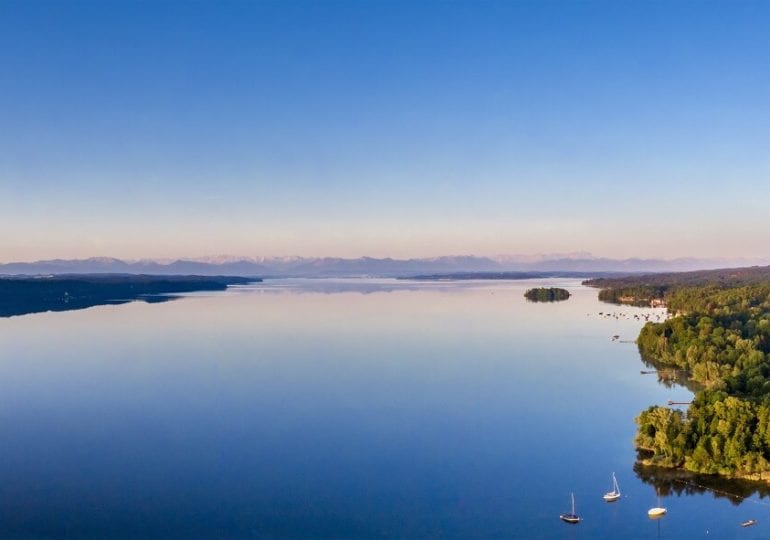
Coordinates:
(720,335)
(20,295)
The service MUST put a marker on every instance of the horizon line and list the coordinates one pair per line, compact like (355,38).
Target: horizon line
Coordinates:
(524,258)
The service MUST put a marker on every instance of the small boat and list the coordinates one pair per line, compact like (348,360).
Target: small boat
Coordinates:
(749,523)
(572,517)
(614,495)
(657,511)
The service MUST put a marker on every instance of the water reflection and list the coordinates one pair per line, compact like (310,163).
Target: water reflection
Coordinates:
(681,483)
(329,409)
(670,377)
(366,286)
(12,308)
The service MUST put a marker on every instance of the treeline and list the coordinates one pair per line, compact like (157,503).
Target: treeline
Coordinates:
(637,296)
(720,434)
(546,294)
(719,336)
(723,278)
(643,290)
(722,338)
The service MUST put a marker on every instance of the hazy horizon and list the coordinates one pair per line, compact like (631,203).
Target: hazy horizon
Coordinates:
(499,257)
(334,267)
(414,129)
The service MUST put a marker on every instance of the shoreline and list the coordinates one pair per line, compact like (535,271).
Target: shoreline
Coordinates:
(24,295)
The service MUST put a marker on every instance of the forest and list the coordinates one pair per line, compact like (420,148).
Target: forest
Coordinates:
(642,289)
(720,335)
(546,294)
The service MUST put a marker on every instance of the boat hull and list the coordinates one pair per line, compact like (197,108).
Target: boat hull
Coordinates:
(611,496)
(656,512)
(570,518)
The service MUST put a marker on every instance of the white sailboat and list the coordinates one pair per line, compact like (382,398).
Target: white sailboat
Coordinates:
(614,495)
(657,511)
(572,517)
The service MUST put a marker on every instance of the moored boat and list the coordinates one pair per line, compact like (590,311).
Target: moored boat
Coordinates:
(657,511)
(614,495)
(572,517)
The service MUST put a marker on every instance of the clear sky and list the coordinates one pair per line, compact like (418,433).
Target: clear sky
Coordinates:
(166,129)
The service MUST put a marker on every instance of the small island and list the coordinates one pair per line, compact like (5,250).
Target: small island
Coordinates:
(546,294)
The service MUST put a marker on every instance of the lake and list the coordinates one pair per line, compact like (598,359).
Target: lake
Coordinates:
(337,409)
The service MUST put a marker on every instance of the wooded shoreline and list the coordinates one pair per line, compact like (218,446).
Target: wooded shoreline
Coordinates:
(720,335)
(21,295)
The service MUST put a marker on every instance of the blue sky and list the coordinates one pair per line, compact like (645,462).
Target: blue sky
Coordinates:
(166,129)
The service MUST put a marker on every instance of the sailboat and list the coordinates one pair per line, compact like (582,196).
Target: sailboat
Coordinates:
(614,495)
(572,517)
(657,511)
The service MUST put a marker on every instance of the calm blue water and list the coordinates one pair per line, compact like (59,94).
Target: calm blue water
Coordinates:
(335,409)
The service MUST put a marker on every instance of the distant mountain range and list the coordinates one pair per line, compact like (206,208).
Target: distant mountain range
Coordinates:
(365,266)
